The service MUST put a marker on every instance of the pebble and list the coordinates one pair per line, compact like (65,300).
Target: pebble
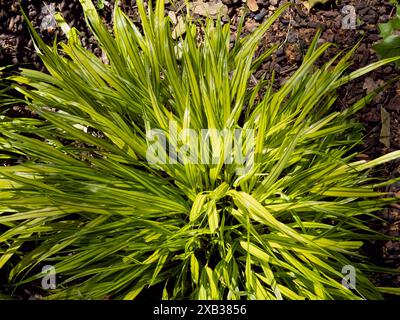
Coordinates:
(230,2)
(277,68)
(280,59)
(32,14)
(259,16)
(273,2)
(388,70)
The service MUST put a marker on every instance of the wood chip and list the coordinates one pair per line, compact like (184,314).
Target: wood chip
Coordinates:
(394,103)
(251,25)
(252,5)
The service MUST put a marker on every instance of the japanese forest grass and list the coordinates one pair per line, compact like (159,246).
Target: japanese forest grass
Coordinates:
(88,203)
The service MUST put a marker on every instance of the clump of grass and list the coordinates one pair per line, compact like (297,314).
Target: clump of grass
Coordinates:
(113,224)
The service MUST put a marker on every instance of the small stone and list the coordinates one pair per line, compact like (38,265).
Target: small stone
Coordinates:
(32,14)
(388,70)
(273,2)
(230,2)
(280,59)
(259,16)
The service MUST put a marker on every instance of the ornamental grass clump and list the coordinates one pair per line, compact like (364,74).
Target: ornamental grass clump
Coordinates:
(262,198)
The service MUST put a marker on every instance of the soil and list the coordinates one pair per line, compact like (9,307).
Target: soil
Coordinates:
(294,30)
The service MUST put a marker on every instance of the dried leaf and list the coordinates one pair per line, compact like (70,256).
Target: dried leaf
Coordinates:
(385,130)
(179,29)
(369,84)
(209,9)
(172,16)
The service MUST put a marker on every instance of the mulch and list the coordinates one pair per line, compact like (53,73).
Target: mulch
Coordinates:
(295,30)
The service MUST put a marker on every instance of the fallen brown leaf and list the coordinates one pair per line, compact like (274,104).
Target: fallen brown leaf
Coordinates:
(385,130)
(179,29)
(209,9)
(172,16)
(369,84)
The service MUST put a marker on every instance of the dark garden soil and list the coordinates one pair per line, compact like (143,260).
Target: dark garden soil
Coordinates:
(294,30)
